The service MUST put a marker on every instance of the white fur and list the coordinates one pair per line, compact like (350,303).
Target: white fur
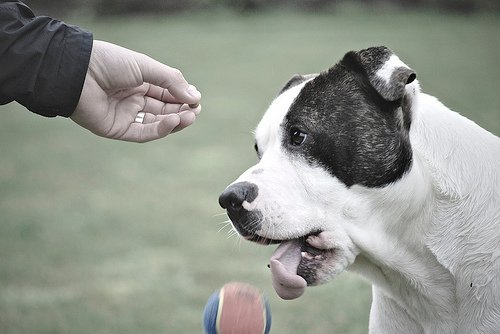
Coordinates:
(385,72)
(422,241)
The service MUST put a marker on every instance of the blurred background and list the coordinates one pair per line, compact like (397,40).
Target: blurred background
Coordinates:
(118,7)
(101,236)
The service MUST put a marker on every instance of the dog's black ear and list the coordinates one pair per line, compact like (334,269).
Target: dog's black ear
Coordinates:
(387,74)
(297,79)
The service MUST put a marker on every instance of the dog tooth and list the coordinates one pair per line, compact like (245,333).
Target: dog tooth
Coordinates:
(306,255)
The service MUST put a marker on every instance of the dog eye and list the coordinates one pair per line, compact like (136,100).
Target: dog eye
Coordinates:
(256,147)
(297,137)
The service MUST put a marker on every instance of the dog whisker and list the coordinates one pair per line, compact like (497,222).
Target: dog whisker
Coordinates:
(223,227)
(225,222)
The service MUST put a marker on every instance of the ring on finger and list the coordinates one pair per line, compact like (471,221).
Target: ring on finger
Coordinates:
(140,117)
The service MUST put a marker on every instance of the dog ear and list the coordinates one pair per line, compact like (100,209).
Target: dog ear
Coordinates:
(297,79)
(387,74)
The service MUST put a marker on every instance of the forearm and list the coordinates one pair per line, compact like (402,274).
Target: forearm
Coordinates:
(43,61)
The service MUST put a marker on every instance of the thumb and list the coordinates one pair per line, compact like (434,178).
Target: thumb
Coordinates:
(167,77)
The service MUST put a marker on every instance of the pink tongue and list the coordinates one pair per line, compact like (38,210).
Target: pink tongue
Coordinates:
(284,264)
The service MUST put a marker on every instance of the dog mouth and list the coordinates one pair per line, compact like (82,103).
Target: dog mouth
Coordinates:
(293,264)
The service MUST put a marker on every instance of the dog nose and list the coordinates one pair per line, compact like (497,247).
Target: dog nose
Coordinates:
(233,197)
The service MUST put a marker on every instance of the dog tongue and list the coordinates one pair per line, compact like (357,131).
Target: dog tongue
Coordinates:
(284,264)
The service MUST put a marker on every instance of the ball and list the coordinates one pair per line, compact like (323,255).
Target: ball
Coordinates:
(237,308)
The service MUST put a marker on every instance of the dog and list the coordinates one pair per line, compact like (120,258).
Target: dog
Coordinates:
(359,170)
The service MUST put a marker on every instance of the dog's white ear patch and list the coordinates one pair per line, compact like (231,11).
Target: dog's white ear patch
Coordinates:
(390,80)
(386,72)
(393,66)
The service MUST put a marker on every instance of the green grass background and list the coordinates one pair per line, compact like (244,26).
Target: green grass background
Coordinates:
(100,236)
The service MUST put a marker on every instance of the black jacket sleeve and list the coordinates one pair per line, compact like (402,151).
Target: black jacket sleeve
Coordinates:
(43,61)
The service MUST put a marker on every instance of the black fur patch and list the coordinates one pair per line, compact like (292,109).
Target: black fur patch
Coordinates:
(353,131)
(246,222)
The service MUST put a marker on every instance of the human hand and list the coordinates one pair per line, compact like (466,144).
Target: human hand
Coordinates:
(121,83)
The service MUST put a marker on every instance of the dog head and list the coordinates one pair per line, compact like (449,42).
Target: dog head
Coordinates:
(321,139)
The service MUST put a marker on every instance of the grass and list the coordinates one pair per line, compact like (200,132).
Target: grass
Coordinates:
(98,236)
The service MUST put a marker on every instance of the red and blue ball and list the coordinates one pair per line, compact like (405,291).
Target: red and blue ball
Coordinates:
(237,308)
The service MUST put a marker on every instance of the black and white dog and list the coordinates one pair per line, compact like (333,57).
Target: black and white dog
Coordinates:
(360,170)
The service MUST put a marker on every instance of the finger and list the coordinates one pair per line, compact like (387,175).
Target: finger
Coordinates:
(196,110)
(141,133)
(164,95)
(169,78)
(161,94)
(157,107)
(186,119)
(167,124)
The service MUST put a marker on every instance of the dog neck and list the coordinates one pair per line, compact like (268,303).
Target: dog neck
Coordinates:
(398,261)
(432,223)
(462,161)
